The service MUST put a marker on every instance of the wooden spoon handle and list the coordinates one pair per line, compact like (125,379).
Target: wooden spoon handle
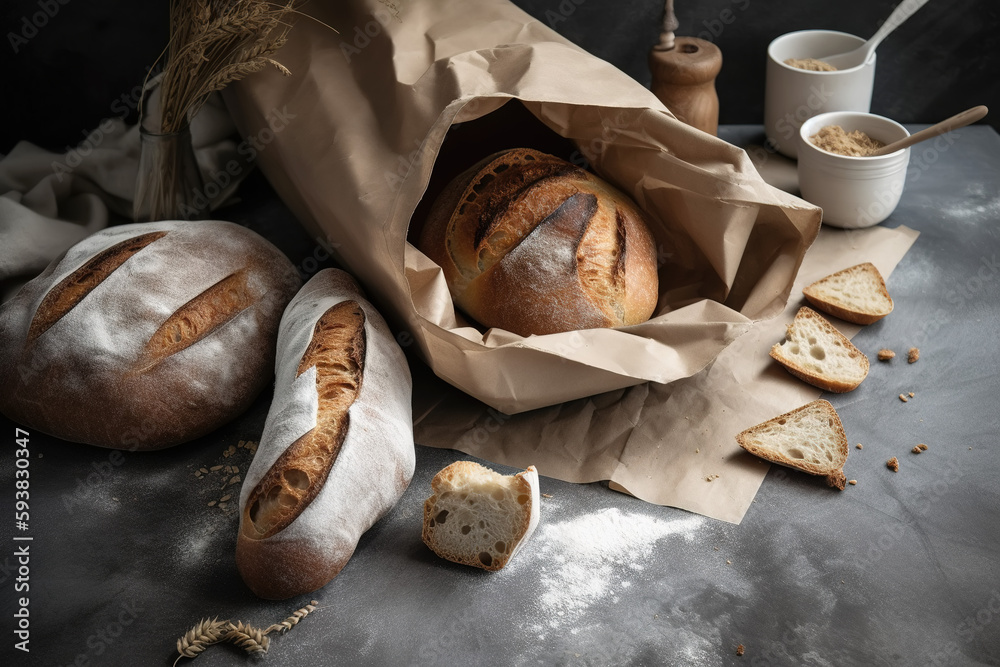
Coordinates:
(967,117)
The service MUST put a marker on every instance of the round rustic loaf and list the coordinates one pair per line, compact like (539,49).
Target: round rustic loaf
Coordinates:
(144,336)
(337,449)
(533,244)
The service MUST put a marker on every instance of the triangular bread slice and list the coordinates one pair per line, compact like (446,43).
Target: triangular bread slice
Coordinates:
(810,439)
(857,294)
(815,352)
(479,517)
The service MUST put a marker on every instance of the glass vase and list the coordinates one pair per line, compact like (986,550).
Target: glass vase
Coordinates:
(168,184)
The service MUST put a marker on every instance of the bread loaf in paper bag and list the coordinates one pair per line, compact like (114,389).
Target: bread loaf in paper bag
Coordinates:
(362,155)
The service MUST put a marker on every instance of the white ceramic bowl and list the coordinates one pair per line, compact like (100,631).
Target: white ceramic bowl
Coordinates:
(854,192)
(792,95)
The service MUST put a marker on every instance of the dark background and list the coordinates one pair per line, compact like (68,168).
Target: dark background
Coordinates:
(83,63)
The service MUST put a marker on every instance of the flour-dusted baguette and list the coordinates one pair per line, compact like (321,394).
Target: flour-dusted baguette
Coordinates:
(856,294)
(810,438)
(144,336)
(815,352)
(337,449)
(478,517)
(533,244)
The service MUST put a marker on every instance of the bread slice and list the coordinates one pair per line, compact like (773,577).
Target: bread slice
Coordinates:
(815,352)
(479,517)
(810,439)
(857,294)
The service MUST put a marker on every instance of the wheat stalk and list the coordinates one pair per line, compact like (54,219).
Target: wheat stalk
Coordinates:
(205,633)
(286,625)
(252,640)
(213,43)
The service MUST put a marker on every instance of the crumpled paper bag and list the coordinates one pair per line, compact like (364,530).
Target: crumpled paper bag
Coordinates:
(369,111)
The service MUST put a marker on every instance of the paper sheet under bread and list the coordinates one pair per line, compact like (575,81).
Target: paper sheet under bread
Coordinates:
(661,442)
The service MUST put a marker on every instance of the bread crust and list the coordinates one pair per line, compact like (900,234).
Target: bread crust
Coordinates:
(752,441)
(449,481)
(842,308)
(814,377)
(145,336)
(370,468)
(533,244)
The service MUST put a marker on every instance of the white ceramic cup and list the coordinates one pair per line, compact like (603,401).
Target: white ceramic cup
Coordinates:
(792,95)
(854,192)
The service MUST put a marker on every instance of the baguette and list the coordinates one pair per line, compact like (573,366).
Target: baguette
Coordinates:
(815,352)
(857,294)
(144,336)
(337,448)
(479,517)
(810,438)
(533,244)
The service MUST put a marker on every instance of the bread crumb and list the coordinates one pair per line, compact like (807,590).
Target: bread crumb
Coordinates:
(729,562)
(885,354)
(203,471)
(211,503)
(913,355)
(711,477)
(916,450)
(739,649)
(222,506)
(697,451)
(852,481)
(859,446)
(910,394)
(225,498)
(892,464)
(923,447)
(213,468)
(546,495)
(903,398)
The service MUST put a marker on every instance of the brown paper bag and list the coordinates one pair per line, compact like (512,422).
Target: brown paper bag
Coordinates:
(351,142)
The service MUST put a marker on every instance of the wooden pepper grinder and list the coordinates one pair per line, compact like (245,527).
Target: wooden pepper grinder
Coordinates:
(684,71)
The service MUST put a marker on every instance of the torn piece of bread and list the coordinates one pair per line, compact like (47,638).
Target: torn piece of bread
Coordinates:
(479,517)
(810,438)
(857,294)
(815,352)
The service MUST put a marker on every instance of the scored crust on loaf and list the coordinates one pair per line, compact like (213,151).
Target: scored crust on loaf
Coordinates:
(199,317)
(533,244)
(73,288)
(815,352)
(337,350)
(479,517)
(810,438)
(857,294)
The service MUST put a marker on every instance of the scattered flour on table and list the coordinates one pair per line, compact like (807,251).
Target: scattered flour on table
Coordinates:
(586,560)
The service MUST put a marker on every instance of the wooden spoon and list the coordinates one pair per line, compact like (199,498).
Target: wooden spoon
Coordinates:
(860,55)
(967,117)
